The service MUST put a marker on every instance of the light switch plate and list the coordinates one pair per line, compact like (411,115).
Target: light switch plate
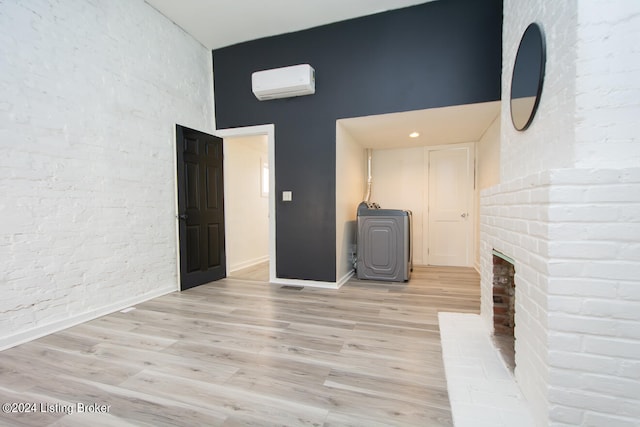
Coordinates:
(287,196)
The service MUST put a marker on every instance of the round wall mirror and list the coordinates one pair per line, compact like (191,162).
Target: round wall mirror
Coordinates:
(528,76)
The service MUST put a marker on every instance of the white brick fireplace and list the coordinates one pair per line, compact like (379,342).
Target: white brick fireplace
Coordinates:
(567,211)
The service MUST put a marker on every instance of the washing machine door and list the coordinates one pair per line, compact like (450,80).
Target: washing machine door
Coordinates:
(382,247)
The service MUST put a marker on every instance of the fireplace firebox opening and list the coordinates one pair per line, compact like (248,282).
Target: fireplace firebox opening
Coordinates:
(504,298)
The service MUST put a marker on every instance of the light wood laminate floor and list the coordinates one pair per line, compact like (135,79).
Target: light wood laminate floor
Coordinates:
(255,272)
(247,353)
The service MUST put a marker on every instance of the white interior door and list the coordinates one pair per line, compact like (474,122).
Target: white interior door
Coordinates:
(449,237)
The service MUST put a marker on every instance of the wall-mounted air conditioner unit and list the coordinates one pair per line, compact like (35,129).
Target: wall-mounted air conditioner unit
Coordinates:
(296,80)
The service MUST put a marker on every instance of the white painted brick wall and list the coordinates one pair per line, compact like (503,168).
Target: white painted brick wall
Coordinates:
(607,88)
(588,307)
(577,249)
(89,96)
(547,144)
(577,291)
(516,224)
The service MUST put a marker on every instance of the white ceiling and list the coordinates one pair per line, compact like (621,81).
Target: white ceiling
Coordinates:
(437,126)
(219,23)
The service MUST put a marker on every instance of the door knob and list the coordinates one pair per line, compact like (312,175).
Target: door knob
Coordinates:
(183,216)
(464,215)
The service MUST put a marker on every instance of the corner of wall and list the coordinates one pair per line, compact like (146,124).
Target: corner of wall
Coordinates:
(350,178)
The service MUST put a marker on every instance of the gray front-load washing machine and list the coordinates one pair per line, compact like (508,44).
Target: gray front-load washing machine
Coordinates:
(384,243)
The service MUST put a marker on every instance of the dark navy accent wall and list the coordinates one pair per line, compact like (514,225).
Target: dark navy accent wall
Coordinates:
(442,53)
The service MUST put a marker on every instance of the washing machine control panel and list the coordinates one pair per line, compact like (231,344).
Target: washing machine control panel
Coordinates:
(370,205)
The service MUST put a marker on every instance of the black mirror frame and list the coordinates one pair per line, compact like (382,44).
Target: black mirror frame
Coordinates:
(543,59)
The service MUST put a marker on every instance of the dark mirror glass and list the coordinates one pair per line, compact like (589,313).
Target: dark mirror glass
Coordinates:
(528,76)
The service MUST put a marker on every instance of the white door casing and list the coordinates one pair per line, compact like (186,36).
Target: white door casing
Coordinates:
(269,131)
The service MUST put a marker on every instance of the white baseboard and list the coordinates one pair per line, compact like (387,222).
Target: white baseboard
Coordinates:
(344,279)
(307,283)
(315,283)
(40,331)
(246,264)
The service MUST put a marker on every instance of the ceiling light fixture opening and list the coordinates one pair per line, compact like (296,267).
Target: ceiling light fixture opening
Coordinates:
(414,135)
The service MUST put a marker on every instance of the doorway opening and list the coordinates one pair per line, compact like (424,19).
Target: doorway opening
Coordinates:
(255,264)
(246,168)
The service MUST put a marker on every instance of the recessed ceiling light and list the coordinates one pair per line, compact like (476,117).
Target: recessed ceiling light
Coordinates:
(414,135)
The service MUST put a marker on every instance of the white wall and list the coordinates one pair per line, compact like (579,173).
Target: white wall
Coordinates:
(547,144)
(487,172)
(514,218)
(566,210)
(594,238)
(488,156)
(399,183)
(91,93)
(594,297)
(351,172)
(514,221)
(247,210)
(607,89)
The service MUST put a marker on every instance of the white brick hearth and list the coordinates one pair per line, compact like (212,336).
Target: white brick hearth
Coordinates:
(482,391)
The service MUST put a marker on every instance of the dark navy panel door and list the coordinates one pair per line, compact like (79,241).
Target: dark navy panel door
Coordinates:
(200,207)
